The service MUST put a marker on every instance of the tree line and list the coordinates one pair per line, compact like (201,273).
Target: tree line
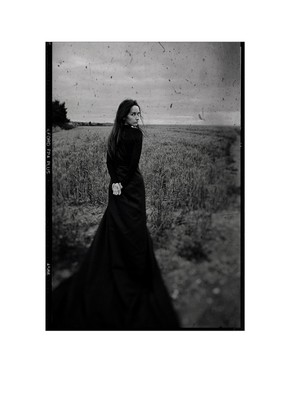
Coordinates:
(59,115)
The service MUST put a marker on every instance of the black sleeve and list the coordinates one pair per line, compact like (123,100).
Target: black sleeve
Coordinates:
(112,169)
(136,153)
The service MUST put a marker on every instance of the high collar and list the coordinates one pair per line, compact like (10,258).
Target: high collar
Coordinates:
(131,127)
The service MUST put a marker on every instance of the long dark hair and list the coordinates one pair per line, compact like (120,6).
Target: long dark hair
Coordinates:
(115,135)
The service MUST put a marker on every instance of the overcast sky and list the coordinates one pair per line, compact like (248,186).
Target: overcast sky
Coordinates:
(174,83)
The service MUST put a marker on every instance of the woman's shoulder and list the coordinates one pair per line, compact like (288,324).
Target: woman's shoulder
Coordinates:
(132,132)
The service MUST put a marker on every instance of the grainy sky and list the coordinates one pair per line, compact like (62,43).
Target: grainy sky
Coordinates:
(174,83)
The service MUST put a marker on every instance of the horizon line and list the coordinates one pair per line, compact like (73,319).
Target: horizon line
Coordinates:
(160,123)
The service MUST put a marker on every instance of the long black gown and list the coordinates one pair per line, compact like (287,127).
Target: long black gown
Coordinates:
(119,285)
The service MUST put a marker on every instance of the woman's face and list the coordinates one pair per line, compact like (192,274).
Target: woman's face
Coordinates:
(133,116)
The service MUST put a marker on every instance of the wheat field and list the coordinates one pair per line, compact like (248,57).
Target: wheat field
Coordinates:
(192,183)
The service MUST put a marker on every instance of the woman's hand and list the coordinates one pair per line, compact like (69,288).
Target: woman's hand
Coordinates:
(117,188)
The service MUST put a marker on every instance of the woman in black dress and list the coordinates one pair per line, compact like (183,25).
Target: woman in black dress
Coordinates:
(119,285)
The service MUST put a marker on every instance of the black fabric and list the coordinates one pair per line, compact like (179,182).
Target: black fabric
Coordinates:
(127,155)
(119,284)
